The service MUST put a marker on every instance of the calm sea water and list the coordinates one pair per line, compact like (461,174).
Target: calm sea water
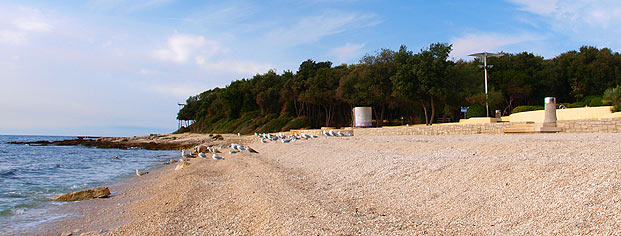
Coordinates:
(29,175)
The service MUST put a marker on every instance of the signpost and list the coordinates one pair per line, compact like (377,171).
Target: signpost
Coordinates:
(464,110)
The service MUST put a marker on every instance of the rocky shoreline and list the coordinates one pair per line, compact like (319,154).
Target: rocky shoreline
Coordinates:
(542,184)
(149,142)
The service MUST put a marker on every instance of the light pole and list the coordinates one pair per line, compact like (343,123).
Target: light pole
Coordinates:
(483,56)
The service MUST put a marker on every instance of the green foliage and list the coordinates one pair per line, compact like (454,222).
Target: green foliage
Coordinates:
(415,86)
(613,96)
(297,123)
(616,108)
(476,110)
(593,101)
(526,108)
(274,125)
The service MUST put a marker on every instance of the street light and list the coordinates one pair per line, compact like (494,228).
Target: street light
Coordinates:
(484,55)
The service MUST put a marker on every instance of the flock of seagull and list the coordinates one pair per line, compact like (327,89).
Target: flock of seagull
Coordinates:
(263,138)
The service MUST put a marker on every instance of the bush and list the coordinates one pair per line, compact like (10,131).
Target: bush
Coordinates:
(519,109)
(476,110)
(274,125)
(593,101)
(297,123)
(613,96)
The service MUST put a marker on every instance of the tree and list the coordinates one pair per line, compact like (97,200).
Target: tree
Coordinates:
(434,72)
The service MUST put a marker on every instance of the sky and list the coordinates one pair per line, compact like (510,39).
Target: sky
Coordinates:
(120,67)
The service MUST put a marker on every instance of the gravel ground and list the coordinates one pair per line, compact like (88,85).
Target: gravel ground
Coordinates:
(537,184)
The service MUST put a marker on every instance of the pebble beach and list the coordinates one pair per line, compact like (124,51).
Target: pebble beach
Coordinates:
(531,184)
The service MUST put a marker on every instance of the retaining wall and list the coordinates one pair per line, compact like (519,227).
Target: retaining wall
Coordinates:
(603,125)
(440,129)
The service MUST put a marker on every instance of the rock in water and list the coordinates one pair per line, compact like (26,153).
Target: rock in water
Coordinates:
(83,195)
(181,165)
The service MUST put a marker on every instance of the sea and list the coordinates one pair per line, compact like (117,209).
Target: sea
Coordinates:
(30,175)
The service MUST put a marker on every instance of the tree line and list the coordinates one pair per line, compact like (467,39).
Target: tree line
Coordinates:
(402,87)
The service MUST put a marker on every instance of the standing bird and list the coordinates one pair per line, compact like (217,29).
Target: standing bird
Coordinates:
(285,140)
(348,133)
(216,157)
(262,140)
(140,173)
(202,155)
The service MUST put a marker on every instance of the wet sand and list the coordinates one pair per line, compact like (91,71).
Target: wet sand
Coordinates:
(538,184)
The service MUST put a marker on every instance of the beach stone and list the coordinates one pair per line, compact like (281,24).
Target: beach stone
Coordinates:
(83,195)
(181,165)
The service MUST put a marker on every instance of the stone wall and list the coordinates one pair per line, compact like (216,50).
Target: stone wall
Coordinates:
(604,125)
(439,129)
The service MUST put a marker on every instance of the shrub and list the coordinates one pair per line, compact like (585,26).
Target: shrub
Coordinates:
(274,125)
(613,96)
(593,101)
(297,123)
(476,110)
(519,109)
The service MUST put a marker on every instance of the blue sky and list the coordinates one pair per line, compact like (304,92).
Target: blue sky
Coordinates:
(119,67)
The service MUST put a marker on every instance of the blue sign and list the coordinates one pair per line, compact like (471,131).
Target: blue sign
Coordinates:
(464,109)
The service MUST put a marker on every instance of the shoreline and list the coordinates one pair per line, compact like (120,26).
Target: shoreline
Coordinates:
(454,184)
(98,215)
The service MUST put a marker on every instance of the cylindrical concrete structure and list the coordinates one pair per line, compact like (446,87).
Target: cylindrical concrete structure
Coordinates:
(549,119)
(363,116)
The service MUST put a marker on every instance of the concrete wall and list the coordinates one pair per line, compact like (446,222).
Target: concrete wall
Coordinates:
(563,114)
(489,128)
(604,125)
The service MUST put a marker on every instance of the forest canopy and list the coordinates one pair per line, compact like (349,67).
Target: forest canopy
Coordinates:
(402,87)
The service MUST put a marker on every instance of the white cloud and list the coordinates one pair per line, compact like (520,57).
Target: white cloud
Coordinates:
(348,52)
(18,24)
(208,54)
(585,21)
(182,47)
(34,24)
(541,7)
(314,28)
(490,42)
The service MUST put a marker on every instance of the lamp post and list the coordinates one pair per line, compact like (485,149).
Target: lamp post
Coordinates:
(483,56)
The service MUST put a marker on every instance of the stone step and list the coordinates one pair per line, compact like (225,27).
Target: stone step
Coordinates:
(531,129)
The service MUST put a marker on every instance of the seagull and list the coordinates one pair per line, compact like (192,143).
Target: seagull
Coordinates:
(332,133)
(241,148)
(238,134)
(232,152)
(340,133)
(285,140)
(348,133)
(263,140)
(140,173)
(216,157)
(202,155)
